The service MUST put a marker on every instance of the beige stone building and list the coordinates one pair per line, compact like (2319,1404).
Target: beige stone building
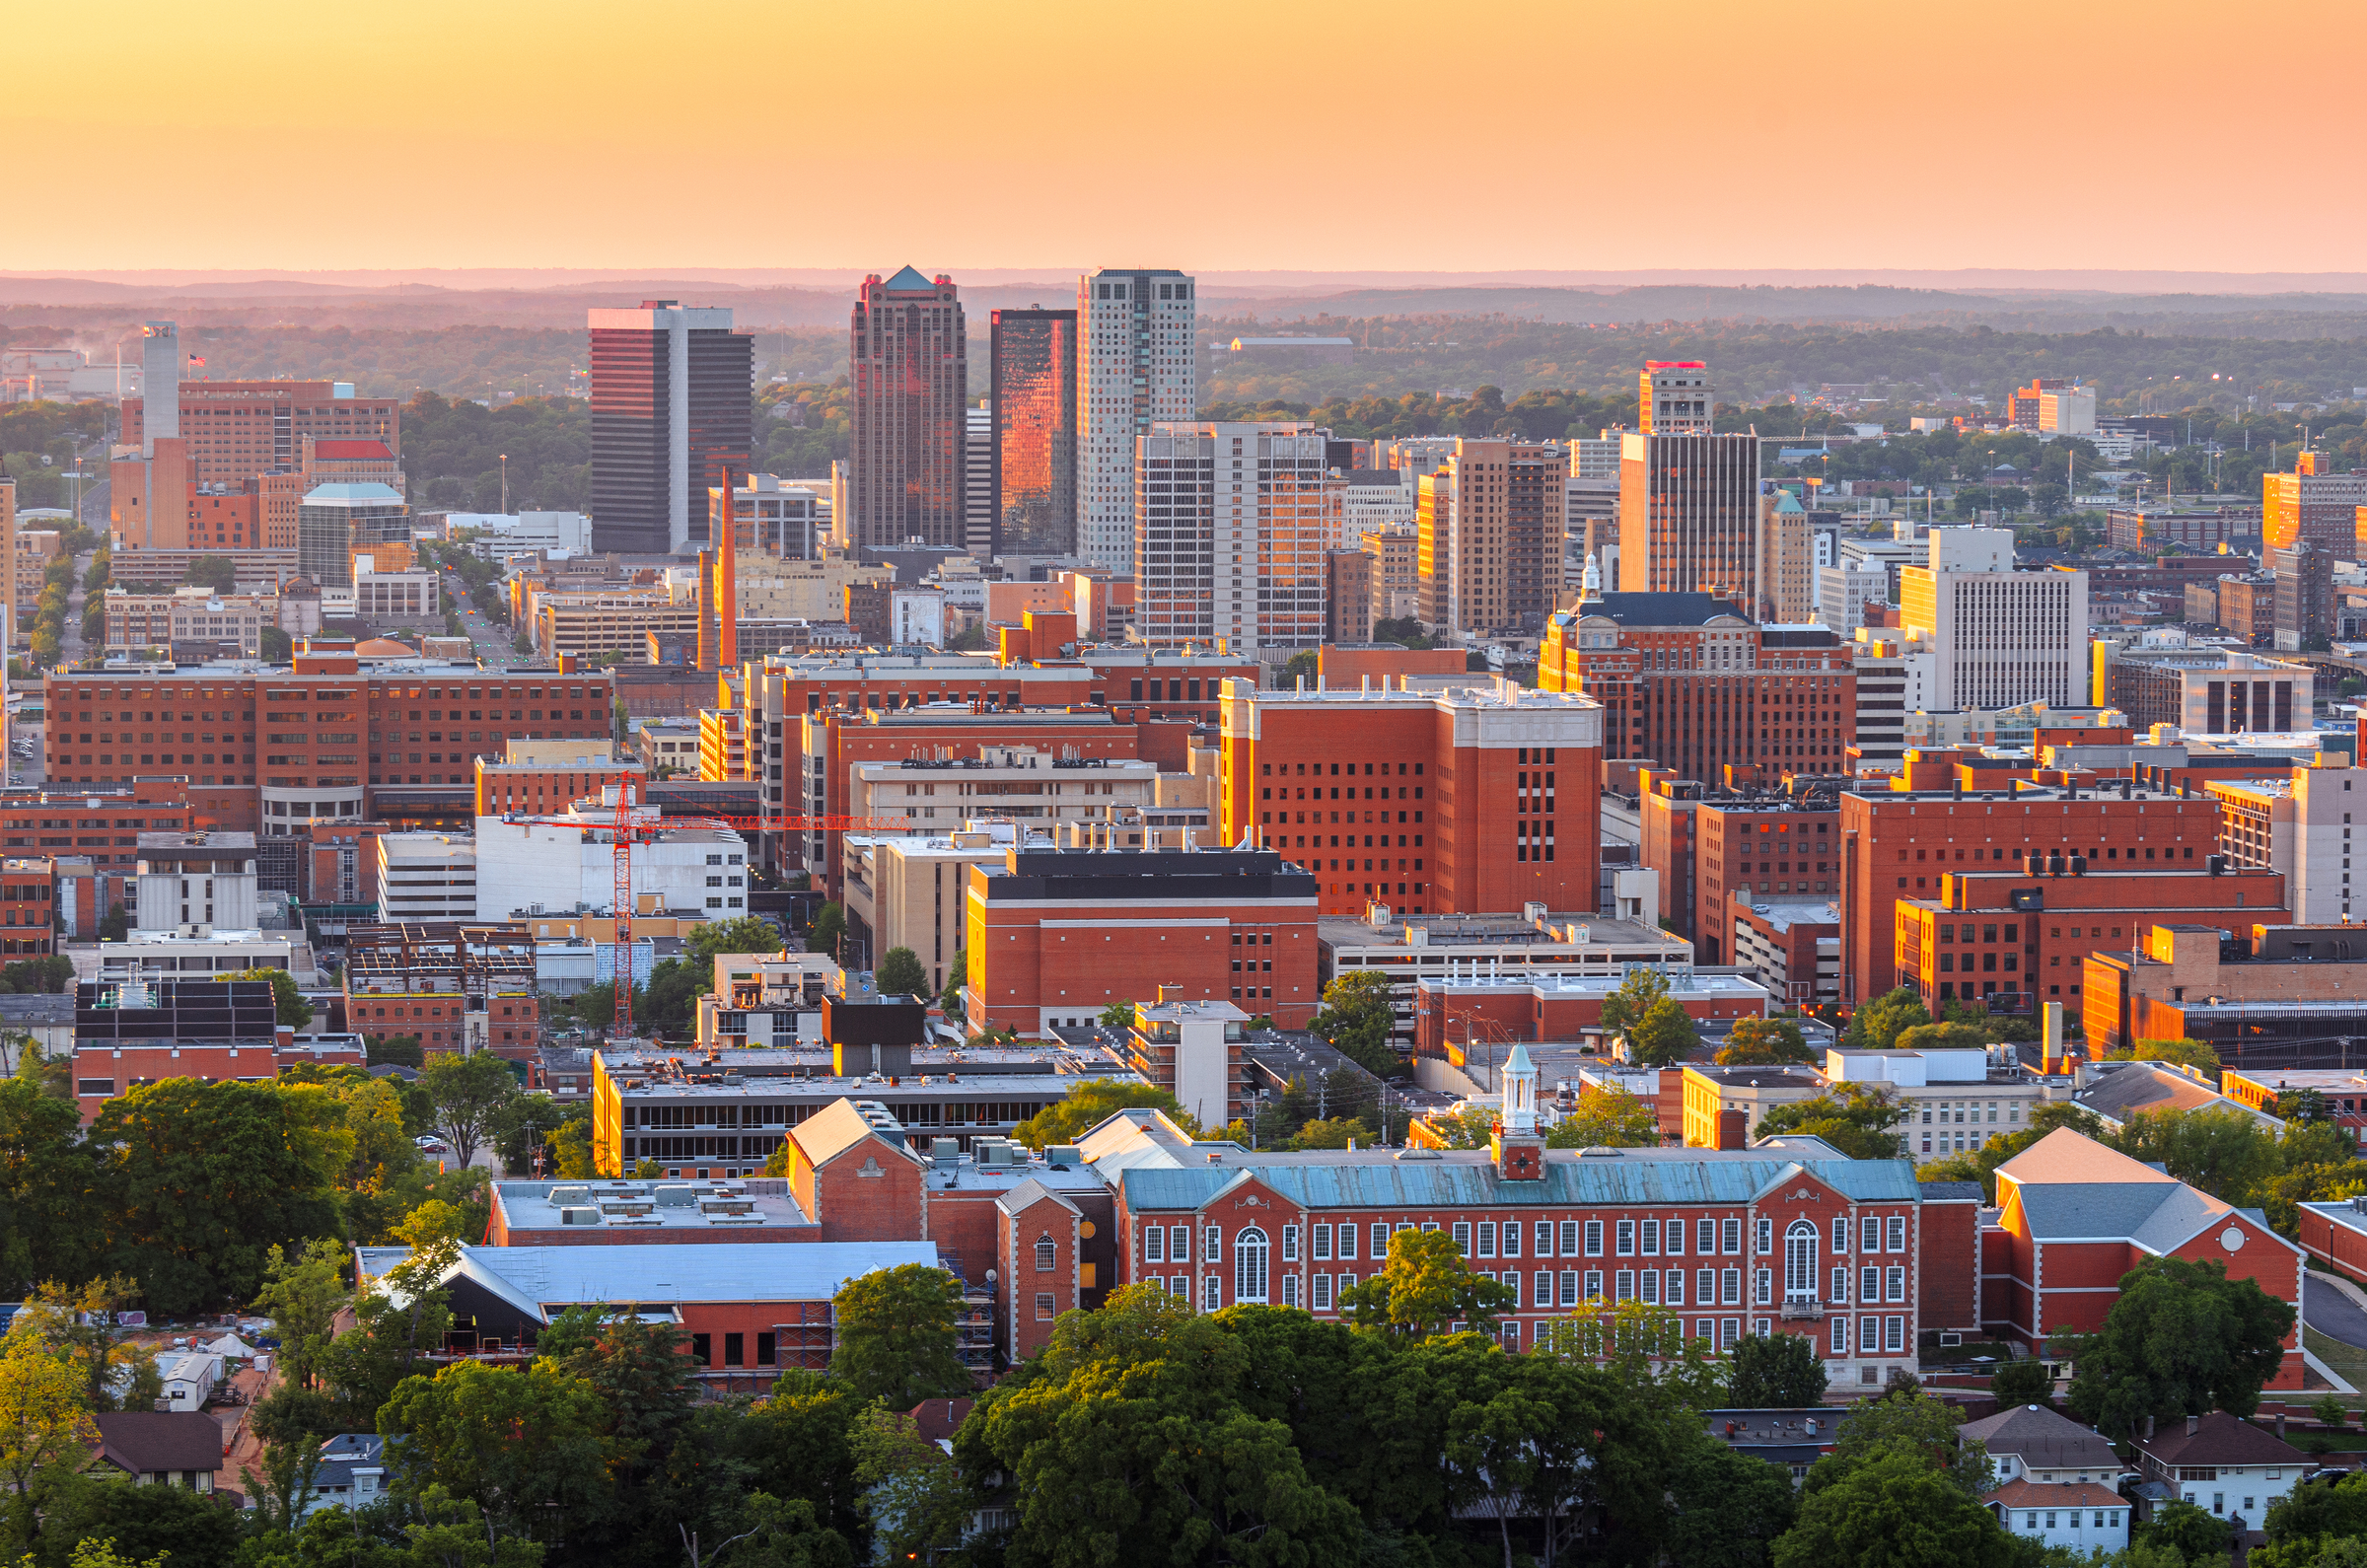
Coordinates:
(1033,787)
(188,614)
(909,892)
(773,589)
(1786,562)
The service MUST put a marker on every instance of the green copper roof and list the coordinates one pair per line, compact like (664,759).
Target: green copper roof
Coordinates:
(906,281)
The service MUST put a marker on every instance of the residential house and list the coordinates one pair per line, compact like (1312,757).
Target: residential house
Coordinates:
(1791,1440)
(352,1473)
(2055,1479)
(2230,1466)
(162,1448)
(2124,1091)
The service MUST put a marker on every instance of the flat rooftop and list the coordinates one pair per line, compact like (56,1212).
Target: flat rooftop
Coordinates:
(719,1207)
(923,1086)
(1582,987)
(1506,930)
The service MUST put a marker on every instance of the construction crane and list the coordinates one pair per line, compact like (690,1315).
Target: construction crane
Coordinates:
(631,826)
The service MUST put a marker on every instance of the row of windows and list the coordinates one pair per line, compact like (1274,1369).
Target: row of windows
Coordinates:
(1482,1238)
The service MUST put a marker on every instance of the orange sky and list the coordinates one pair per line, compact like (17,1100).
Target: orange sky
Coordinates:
(1381,134)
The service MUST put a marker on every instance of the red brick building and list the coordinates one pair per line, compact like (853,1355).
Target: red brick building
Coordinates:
(28,905)
(1758,847)
(858,1179)
(1900,843)
(1761,1240)
(1688,681)
(102,823)
(2029,931)
(1490,797)
(2074,1216)
(1450,1010)
(263,751)
(129,1034)
(237,429)
(1055,935)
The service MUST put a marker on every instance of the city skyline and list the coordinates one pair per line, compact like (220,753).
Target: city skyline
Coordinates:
(504,164)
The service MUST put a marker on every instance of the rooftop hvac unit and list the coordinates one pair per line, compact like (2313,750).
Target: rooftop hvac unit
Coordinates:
(562,1197)
(673,1197)
(579,1216)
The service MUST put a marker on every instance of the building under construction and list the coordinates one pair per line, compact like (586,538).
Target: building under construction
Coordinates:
(455,985)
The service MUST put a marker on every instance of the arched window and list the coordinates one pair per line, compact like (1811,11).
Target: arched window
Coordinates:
(1046,1255)
(1249,1265)
(1799,1261)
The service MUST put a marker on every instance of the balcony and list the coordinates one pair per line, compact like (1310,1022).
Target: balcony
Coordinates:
(1801,1306)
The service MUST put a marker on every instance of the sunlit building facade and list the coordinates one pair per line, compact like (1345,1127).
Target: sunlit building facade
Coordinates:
(1134,329)
(909,349)
(1035,408)
(1234,519)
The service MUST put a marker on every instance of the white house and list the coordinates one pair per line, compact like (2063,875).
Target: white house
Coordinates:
(2230,1466)
(2057,1479)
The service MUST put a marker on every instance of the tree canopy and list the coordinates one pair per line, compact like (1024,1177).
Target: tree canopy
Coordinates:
(2181,1338)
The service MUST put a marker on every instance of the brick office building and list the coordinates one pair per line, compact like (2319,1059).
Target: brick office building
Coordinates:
(456,985)
(265,750)
(1756,848)
(1056,935)
(1493,792)
(239,429)
(1900,843)
(1685,680)
(135,1033)
(2031,929)
(27,904)
(102,823)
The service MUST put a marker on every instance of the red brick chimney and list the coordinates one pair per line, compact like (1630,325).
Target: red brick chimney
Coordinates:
(1734,1130)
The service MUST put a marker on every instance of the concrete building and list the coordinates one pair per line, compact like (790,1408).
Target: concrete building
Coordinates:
(226,625)
(1787,590)
(2299,825)
(1032,787)
(526,867)
(503,536)
(203,879)
(911,891)
(1139,356)
(1996,636)
(1794,949)
(1218,501)
(2207,690)
(2303,581)
(669,412)
(1193,1051)
(2068,411)
(774,515)
(1690,510)
(1881,666)
(335,520)
(1483,779)
(427,877)
(1348,594)
(1490,528)
(1844,591)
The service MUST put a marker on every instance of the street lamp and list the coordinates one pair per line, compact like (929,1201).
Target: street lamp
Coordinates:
(505,484)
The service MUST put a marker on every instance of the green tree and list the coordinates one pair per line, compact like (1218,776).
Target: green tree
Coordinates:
(46,1171)
(1094,1101)
(1664,1037)
(2227,1153)
(1357,1017)
(1775,1372)
(1727,1507)
(827,929)
(1332,1132)
(303,1293)
(524,1446)
(2197,1535)
(2022,1381)
(570,1145)
(1764,1042)
(292,1421)
(738,934)
(901,973)
(1424,1286)
(451,1532)
(199,1181)
(1855,1118)
(526,1125)
(1117,1015)
(1907,1420)
(1302,665)
(395,1326)
(43,1420)
(115,925)
(957,981)
(212,571)
(471,1094)
(1607,1119)
(89,1520)
(1940,1037)
(2181,1339)
(1894,1511)
(293,1010)
(1877,1025)
(917,1504)
(897,1335)
(2186,1052)
(1638,993)
(276,646)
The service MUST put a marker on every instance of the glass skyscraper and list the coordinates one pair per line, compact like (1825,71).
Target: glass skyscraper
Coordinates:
(1035,407)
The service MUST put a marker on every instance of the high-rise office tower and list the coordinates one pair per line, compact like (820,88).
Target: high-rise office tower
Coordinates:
(1673,397)
(669,410)
(1688,499)
(977,479)
(159,382)
(1036,408)
(1490,526)
(2312,503)
(1993,637)
(1234,522)
(909,348)
(147,501)
(1135,329)
(1786,562)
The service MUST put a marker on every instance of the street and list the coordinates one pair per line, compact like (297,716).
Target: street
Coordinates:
(489,640)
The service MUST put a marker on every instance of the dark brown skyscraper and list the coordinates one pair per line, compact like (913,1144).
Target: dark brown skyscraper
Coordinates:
(1035,406)
(909,351)
(670,409)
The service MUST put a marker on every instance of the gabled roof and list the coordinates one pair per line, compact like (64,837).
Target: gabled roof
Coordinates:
(2219,1439)
(835,1128)
(2067,1154)
(144,1442)
(1028,1194)
(2057,1494)
(2044,1439)
(2139,1086)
